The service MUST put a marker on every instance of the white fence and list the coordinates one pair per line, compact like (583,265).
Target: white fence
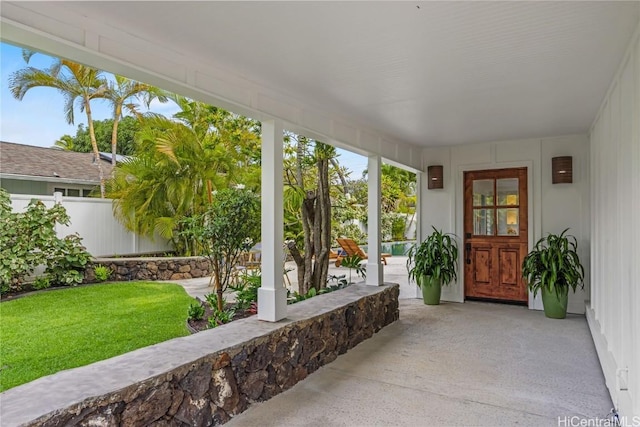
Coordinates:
(93,220)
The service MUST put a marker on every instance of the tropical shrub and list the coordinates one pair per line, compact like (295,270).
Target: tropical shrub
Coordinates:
(102,272)
(67,268)
(28,239)
(230,226)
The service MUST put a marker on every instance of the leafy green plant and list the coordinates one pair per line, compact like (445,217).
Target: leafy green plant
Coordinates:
(212,299)
(295,297)
(196,311)
(220,317)
(41,282)
(230,227)
(354,262)
(102,272)
(247,289)
(68,267)
(436,257)
(340,283)
(28,239)
(398,225)
(554,264)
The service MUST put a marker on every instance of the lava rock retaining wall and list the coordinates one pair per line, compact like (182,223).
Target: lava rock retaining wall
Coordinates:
(206,378)
(153,268)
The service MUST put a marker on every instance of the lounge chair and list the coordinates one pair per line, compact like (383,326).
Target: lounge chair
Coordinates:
(350,247)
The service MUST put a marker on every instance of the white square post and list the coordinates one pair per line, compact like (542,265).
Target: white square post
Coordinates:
(374,265)
(272,295)
(420,186)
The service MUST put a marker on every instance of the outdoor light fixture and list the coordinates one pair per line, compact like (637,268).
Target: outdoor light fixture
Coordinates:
(435,174)
(562,170)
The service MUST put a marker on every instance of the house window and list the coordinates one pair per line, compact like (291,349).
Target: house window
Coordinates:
(73,192)
(496,201)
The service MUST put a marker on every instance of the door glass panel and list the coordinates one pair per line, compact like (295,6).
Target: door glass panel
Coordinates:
(507,192)
(508,222)
(482,192)
(483,222)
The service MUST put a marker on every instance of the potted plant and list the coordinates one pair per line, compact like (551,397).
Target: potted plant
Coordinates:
(552,267)
(433,263)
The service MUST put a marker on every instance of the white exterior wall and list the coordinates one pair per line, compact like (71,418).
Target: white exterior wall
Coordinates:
(93,220)
(614,309)
(552,208)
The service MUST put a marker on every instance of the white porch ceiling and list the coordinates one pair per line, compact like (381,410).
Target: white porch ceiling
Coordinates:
(426,73)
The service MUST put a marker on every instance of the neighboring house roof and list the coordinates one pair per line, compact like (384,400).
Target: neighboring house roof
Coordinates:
(119,157)
(49,164)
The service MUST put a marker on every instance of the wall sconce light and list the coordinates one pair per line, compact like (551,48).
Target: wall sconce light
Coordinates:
(562,170)
(435,174)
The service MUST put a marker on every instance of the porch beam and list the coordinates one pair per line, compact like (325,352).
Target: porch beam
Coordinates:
(272,296)
(374,266)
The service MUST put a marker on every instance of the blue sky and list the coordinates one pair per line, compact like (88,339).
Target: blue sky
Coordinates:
(39,118)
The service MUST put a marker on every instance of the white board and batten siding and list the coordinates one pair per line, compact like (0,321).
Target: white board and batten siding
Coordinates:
(613,311)
(93,220)
(552,208)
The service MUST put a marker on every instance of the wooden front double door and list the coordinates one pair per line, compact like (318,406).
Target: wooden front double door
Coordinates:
(495,234)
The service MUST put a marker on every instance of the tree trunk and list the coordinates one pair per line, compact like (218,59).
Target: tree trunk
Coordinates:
(313,264)
(341,177)
(94,145)
(217,282)
(299,260)
(323,224)
(117,112)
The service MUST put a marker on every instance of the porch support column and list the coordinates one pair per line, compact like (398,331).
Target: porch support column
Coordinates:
(272,295)
(419,228)
(374,266)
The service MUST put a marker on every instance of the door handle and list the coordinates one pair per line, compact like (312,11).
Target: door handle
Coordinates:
(467,249)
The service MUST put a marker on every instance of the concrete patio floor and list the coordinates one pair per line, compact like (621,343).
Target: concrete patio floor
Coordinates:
(471,364)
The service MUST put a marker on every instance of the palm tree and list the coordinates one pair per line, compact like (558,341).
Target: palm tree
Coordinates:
(177,164)
(78,84)
(170,179)
(118,93)
(65,142)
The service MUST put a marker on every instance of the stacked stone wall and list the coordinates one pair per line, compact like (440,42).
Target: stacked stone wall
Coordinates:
(211,389)
(153,268)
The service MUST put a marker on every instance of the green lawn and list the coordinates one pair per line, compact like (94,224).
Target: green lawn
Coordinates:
(48,332)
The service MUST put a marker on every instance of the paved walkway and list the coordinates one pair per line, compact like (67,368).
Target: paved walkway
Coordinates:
(471,364)
(394,272)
